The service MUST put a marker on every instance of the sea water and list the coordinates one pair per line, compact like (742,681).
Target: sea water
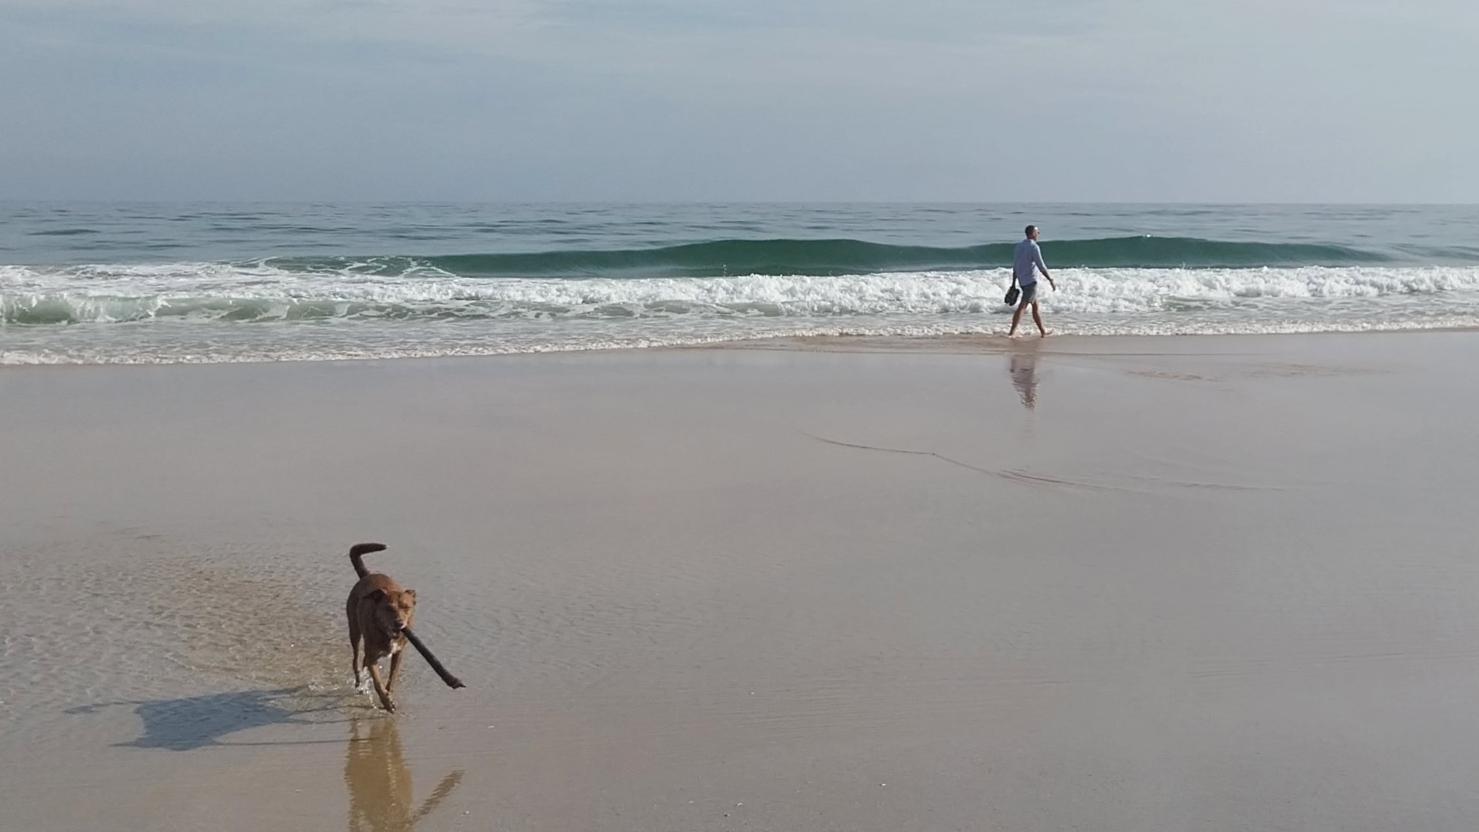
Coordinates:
(216,282)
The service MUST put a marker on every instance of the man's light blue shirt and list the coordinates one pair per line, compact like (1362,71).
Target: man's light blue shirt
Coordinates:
(1024,257)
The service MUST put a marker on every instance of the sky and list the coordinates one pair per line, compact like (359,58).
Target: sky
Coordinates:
(742,100)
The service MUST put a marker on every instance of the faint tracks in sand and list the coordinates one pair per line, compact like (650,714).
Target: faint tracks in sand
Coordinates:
(1023,477)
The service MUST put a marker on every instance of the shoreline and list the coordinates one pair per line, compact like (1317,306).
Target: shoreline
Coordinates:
(964,342)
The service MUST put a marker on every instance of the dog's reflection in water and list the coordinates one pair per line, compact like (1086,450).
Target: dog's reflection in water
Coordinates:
(381,798)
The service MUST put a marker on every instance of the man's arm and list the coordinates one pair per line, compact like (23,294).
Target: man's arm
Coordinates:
(1037,258)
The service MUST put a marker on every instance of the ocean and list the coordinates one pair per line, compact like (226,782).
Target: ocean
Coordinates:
(84,283)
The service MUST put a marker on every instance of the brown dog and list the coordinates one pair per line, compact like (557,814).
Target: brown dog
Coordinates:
(380,612)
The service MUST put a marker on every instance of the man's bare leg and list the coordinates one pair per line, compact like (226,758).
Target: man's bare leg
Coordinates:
(1037,319)
(1016,318)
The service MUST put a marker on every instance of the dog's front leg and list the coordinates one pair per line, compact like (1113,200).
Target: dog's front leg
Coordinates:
(380,691)
(395,668)
(354,664)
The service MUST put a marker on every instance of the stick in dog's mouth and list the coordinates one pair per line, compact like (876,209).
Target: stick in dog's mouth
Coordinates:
(452,681)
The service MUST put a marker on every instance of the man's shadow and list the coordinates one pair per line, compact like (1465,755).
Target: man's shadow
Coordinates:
(381,798)
(194,722)
(1022,367)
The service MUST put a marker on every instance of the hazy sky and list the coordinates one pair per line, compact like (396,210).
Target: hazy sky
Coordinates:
(970,100)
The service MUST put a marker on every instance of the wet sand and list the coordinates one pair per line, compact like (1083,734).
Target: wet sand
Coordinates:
(1110,584)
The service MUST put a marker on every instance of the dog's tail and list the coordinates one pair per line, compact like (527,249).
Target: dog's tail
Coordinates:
(359,549)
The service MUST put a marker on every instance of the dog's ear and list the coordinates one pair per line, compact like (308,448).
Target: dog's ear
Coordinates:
(377,595)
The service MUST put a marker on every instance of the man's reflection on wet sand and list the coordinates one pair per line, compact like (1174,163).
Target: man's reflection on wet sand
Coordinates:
(379,783)
(1022,366)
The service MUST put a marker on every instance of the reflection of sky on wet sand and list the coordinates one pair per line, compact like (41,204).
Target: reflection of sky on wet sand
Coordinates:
(381,796)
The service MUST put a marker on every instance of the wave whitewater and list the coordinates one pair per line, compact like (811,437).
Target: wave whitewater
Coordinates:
(215,292)
(330,308)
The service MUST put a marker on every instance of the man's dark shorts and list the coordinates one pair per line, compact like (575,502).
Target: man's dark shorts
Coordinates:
(1029,294)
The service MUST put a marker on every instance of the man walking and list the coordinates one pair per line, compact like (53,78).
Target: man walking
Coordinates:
(1025,258)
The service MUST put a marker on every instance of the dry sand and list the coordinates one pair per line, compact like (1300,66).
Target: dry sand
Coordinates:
(1104,584)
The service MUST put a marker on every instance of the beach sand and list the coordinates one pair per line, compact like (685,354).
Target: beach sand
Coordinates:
(850,584)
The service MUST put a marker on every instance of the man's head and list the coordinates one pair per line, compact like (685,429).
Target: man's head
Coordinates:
(1031,232)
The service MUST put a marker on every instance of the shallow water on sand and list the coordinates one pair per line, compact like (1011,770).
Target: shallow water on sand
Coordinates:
(130,627)
(1226,583)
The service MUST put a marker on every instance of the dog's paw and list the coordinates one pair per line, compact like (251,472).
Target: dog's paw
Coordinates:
(389,705)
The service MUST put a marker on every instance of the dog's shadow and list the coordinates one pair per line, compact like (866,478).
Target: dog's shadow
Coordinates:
(195,722)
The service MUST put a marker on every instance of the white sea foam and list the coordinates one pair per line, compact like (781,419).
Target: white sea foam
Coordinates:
(112,293)
(189,312)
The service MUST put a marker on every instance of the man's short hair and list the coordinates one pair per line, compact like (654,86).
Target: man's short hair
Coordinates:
(1027,232)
